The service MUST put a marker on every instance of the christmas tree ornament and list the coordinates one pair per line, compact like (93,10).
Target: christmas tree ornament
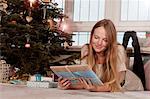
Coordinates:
(60,22)
(32,4)
(63,26)
(29,19)
(3,5)
(13,45)
(51,23)
(66,45)
(46,1)
(27,37)
(19,46)
(21,15)
(27,45)
(13,22)
(1,34)
(49,41)
(44,12)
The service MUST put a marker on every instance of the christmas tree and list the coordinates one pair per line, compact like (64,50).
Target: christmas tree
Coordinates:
(32,34)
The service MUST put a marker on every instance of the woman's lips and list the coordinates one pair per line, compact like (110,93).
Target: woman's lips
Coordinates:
(98,47)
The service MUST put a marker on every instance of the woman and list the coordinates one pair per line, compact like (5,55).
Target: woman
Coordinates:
(107,59)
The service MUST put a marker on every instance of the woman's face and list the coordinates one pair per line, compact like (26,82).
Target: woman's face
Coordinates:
(99,40)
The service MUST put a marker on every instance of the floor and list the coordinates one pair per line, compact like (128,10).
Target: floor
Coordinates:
(8,91)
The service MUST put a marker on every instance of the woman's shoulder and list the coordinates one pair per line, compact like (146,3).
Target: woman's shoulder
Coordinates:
(121,58)
(85,46)
(120,48)
(84,50)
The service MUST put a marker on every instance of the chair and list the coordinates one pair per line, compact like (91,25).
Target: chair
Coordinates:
(138,67)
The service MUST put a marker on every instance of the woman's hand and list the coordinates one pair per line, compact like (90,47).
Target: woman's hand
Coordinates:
(87,84)
(64,83)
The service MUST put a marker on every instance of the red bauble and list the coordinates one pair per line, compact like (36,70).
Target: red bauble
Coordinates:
(35,4)
(27,45)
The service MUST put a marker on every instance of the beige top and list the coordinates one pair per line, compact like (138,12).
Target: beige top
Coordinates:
(121,62)
(99,70)
(132,82)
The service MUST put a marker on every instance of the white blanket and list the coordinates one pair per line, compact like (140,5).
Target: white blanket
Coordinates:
(8,91)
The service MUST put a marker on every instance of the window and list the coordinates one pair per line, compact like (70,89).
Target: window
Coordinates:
(141,9)
(132,15)
(80,38)
(126,14)
(88,10)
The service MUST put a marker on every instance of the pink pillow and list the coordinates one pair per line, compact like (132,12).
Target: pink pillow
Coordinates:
(147,74)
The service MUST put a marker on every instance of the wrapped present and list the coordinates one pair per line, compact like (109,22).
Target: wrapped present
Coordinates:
(34,78)
(4,71)
(53,85)
(41,84)
(38,84)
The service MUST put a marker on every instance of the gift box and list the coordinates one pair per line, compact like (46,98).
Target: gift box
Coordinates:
(38,84)
(34,78)
(41,84)
(4,71)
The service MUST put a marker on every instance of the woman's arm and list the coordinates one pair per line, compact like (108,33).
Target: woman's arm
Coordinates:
(121,63)
(122,76)
(100,88)
(105,87)
(87,84)
(65,83)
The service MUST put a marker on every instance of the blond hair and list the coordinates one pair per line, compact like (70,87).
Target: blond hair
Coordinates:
(110,75)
